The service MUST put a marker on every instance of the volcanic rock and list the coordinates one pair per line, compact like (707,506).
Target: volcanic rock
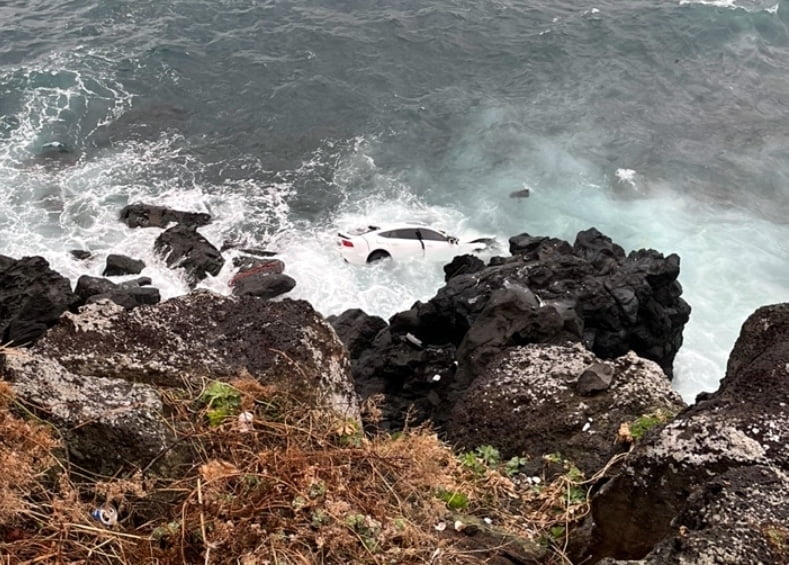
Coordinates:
(119,265)
(107,423)
(147,215)
(285,343)
(528,404)
(721,460)
(182,247)
(32,298)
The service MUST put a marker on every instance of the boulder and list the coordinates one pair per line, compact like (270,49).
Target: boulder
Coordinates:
(119,265)
(32,298)
(262,278)
(107,423)
(128,294)
(263,285)
(182,247)
(463,264)
(732,433)
(528,404)
(204,334)
(147,215)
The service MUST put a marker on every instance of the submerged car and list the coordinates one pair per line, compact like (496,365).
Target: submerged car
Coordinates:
(403,241)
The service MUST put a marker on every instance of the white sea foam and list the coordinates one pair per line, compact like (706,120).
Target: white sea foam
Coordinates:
(769,6)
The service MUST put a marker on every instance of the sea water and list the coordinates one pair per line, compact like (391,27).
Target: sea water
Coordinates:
(661,123)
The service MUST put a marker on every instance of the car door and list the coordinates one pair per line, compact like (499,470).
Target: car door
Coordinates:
(402,243)
(436,244)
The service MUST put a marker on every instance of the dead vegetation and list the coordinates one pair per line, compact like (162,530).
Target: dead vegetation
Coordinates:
(273,482)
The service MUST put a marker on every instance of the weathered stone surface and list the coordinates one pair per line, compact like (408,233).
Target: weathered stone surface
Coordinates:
(356,329)
(736,518)
(744,424)
(119,265)
(182,247)
(32,298)
(527,403)
(148,215)
(108,423)
(207,335)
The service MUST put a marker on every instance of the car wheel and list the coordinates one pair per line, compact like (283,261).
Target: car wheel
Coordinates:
(378,256)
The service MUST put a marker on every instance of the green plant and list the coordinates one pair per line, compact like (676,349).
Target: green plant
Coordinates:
(350,433)
(453,499)
(367,529)
(489,455)
(643,424)
(319,518)
(221,401)
(470,461)
(513,465)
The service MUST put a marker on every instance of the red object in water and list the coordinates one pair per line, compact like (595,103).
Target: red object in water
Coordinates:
(271,267)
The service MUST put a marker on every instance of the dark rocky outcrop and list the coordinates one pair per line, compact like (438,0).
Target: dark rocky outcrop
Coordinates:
(721,460)
(548,292)
(32,298)
(182,247)
(128,294)
(119,265)
(356,329)
(528,404)
(148,215)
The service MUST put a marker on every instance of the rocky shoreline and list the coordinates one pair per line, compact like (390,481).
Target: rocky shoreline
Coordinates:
(560,348)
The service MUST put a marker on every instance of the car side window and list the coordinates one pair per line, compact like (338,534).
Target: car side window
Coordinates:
(407,234)
(389,234)
(432,235)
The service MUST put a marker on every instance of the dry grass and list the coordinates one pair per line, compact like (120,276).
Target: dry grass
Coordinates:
(288,486)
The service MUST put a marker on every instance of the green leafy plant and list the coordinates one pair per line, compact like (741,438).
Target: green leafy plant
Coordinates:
(513,465)
(453,499)
(643,424)
(489,455)
(221,401)
(471,462)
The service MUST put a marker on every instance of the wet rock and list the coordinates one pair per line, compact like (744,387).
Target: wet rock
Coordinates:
(463,264)
(263,285)
(32,298)
(148,215)
(182,247)
(119,265)
(107,423)
(356,329)
(129,294)
(527,404)
(285,343)
(743,425)
(81,254)
(254,267)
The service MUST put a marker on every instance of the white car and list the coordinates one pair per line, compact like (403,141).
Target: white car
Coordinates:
(403,241)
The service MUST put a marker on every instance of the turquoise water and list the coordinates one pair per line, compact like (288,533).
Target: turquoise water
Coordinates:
(663,124)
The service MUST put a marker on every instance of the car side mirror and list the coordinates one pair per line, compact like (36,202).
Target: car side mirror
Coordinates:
(452,240)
